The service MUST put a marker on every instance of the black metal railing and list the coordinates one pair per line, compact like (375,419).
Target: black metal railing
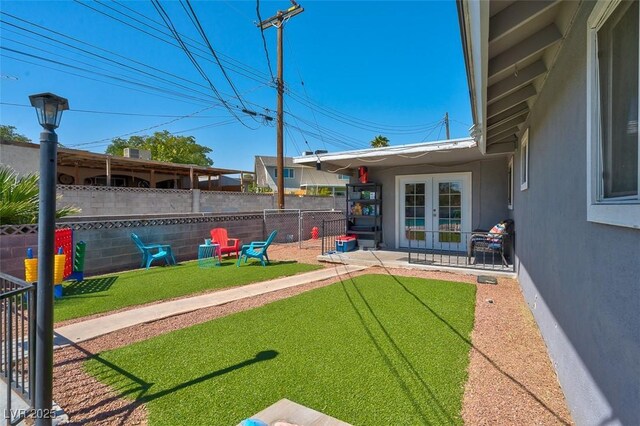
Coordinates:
(18,331)
(478,250)
(331,229)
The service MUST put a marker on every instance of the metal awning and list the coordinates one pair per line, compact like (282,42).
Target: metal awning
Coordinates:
(440,152)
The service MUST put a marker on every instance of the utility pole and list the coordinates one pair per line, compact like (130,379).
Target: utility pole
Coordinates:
(278,21)
(446,123)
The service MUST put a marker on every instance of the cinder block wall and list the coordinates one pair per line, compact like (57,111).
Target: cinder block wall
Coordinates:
(110,250)
(112,201)
(13,250)
(234,202)
(98,201)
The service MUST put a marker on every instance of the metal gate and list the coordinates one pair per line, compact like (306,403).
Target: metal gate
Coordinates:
(295,225)
(311,226)
(285,221)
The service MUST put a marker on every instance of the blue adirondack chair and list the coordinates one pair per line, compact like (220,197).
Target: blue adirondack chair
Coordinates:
(256,250)
(151,252)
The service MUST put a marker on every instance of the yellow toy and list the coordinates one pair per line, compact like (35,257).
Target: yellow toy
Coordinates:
(30,267)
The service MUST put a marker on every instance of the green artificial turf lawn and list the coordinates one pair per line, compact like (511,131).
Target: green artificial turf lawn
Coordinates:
(375,350)
(115,291)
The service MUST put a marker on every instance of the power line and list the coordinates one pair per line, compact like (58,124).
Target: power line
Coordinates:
(440,123)
(88,53)
(217,124)
(143,130)
(91,53)
(361,124)
(147,86)
(131,114)
(196,22)
(315,119)
(94,67)
(264,41)
(237,66)
(167,20)
(105,82)
(231,61)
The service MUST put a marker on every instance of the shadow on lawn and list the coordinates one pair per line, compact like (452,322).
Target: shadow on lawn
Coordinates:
(466,340)
(443,417)
(129,385)
(91,285)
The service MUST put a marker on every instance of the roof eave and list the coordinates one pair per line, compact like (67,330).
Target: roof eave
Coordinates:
(474,33)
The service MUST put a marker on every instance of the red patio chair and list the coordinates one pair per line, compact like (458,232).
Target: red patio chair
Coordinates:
(227,245)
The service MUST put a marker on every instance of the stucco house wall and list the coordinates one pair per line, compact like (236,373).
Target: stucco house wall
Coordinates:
(265,170)
(581,279)
(488,192)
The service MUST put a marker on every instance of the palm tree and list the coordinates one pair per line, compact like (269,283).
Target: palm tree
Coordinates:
(19,201)
(379,142)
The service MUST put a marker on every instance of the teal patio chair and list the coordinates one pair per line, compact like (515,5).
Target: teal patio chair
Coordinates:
(256,250)
(151,252)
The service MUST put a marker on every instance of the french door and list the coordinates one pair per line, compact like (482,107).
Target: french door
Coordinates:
(434,211)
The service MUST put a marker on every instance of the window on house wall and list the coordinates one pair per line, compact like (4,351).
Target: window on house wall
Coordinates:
(287,172)
(510,184)
(524,161)
(344,177)
(612,116)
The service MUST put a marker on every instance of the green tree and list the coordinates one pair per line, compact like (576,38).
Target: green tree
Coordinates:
(379,141)
(165,147)
(19,201)
(8,133)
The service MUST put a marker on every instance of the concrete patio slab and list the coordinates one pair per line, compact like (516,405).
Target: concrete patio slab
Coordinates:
(92,328)
(398,259)
(289,412)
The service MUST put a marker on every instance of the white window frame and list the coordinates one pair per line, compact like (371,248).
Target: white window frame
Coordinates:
(524,161)
(510,184)
(619,212)
(344,177)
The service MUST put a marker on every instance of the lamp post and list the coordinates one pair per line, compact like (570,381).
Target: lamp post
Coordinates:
(49,109)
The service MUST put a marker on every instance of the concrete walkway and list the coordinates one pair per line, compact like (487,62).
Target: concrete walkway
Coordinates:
(92,328)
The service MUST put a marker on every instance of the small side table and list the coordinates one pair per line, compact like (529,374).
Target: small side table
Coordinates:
(208,255)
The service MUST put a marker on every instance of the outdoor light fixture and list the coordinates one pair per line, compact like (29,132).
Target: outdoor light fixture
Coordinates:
(49,109)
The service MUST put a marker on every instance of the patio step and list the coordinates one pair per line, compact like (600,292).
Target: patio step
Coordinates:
(96,327)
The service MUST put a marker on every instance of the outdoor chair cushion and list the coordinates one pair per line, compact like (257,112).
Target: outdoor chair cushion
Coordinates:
(498,240)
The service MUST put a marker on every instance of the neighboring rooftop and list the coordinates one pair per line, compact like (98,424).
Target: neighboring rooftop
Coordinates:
(73,157)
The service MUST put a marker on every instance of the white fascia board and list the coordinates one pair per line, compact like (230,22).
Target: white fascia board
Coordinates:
(476,22)
(390,150)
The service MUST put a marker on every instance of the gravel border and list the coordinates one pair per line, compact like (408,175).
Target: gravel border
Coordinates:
(511,380)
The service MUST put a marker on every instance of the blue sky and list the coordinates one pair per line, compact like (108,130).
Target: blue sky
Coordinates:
(369,68)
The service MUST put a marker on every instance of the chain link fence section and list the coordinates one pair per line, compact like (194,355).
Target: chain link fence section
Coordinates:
(285,221)
(297,226)
(311,226)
